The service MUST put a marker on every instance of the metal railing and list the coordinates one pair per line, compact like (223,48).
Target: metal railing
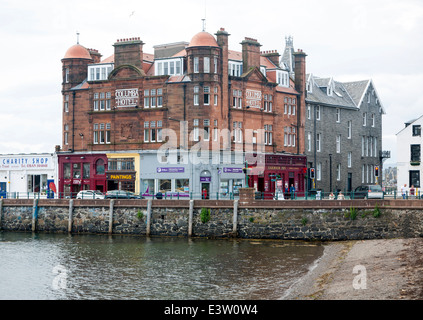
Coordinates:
(312,195)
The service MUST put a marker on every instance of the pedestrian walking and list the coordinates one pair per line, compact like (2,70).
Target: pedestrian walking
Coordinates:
(404,191)
(292,191)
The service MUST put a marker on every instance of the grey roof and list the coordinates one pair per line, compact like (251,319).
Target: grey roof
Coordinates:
(357,89)
(339,98)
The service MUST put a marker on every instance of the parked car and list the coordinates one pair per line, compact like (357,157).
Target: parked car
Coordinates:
(121,194)
(89,194)
(369,192)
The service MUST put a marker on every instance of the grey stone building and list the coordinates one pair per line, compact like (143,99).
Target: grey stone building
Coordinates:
(343,132)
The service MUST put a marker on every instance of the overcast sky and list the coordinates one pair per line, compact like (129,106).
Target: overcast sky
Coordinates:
(347,40)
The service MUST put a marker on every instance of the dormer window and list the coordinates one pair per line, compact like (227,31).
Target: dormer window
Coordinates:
(235,68)
(330,88)
(282,78)
(169,67)
(99,72)
(309,84)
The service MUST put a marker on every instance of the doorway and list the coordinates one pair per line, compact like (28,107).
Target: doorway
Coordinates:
(2,189)
(205,191)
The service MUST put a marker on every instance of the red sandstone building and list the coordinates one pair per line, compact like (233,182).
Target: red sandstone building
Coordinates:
(121,109)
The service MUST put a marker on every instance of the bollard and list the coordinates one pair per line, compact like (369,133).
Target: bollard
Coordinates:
(149,204)
(70,219)
(190,216)
(34,215)
(112,202)
(235,218)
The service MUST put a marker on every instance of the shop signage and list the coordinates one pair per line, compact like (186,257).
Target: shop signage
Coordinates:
(253,98)
(170,170)
(205,179)
(232,170)
(126,97)
(17,163)
(120,176)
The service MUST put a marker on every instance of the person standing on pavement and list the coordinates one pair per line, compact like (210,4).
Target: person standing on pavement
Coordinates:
(404,191)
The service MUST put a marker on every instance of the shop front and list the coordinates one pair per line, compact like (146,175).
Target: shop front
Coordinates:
(279,174)
(182,178)
(28,175)
(81,172)
(121,180)
(121,173)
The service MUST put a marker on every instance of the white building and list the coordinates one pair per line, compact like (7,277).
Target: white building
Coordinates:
(409,141)
(23,175)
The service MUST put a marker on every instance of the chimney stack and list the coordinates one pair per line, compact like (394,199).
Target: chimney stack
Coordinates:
(222,38)
(129,51)
(272,55)
(95,55)
(300,86)
(250,54)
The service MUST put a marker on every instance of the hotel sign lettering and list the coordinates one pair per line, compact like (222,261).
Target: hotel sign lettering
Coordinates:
(127,97)
(253,98)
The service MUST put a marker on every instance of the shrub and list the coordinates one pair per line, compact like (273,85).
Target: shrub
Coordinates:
(353,213)
(140,214)
(205,215)
(376,212)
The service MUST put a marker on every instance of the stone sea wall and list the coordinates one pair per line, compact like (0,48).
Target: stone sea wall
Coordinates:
(322,220)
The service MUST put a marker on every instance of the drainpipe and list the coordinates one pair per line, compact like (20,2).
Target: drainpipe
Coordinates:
(73,121)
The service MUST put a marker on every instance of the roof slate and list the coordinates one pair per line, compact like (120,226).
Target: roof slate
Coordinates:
(340,96)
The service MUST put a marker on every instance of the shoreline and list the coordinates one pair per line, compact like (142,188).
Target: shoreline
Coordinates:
(378,269)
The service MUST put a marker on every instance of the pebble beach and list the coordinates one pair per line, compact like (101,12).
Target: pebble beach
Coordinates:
(364,270)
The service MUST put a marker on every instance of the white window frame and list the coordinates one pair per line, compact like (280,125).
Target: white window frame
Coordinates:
(338,172)
(146,131)
(338,143)
(318,142)
(309,141)
(206,64)
(206,92)
(196,96)
(363,173)
(196,130)
(196,64)
(319,171)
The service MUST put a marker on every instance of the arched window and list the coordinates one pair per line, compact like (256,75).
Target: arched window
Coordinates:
(99,166)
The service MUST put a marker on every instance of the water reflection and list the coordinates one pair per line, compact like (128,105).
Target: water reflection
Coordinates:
(122,267)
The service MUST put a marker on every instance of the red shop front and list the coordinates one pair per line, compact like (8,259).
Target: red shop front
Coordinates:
(81,172)
(278,173)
